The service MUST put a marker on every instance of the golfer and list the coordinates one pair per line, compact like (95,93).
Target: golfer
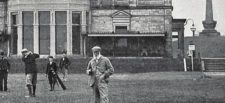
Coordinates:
(100,69)
(29,59)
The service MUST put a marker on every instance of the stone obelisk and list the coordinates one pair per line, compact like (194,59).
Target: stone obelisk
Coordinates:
(209,23)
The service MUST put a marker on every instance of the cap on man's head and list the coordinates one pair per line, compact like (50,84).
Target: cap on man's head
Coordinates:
(96,48)
(64,51)
(24,50)
(50,57)
(1,52)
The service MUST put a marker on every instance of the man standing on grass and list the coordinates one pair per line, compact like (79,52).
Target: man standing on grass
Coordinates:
(99,68)
(29,59)
(64,65)
(4,69)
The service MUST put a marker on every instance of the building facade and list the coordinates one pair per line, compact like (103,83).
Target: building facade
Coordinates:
(123,28)
(132,28)
(47,26)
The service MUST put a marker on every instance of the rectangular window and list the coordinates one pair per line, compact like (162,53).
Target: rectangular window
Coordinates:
(44,32)
(28,19)
(14,36)
(121,29)
(61,31)
(76,31)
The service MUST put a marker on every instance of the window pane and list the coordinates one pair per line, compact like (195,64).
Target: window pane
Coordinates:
(28,30)
(28,37)
(28,18)
(44,17)
(14,38)
(60,17)
(14,19)
(44,39)
(76,17)
(61,36)
(44,32)
(76,32)
(76,39)
(121,29)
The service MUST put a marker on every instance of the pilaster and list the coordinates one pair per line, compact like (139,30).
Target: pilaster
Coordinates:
(20,33)
(69,33)
(36,33)
(52,35)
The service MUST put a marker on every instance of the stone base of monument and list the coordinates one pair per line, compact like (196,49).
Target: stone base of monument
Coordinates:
(209,33)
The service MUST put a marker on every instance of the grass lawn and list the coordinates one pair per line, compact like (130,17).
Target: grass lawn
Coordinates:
(155,87)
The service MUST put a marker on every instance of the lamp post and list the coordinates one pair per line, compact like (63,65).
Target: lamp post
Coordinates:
(193,28)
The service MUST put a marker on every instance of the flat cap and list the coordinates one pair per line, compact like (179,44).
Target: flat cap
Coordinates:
(96,48)
(50,56)
(24,50)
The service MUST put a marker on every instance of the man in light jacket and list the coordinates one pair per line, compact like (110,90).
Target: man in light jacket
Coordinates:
(100,69)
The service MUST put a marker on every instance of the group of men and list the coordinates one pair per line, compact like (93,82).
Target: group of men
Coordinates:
(99,69)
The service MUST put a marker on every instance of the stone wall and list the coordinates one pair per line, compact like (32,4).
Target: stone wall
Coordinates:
(142,20)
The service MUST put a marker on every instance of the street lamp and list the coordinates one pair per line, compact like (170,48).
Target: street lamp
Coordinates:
(193,28)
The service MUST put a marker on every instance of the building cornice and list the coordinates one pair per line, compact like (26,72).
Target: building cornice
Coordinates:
(130,7)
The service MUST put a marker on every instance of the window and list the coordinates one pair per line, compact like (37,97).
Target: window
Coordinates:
(44,32)
(129,46)
(61,31)
(121,29)
(28,19)
(14,36)
(76,31)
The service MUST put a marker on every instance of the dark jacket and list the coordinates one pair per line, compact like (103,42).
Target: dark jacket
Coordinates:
(30,63)
(53,66)
(4,64)
(64,63)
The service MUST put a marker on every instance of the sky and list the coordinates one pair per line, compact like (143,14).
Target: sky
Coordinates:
(195,9)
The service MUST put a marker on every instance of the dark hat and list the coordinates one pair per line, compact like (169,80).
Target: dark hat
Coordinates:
(1,52)
(64,51)
(50,56)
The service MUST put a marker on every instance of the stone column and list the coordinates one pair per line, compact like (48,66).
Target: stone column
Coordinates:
(9,23)
(52,34)
(9,31)
(69,33)
(209,23)
(83,31)
(36,33)
(20,33)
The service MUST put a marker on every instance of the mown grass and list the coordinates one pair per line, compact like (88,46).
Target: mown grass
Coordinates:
(157,87)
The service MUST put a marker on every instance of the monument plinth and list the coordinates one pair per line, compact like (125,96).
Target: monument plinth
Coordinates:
(209,23)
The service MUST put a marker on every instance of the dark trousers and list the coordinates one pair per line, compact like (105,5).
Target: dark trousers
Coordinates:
(51,78)
(3,80)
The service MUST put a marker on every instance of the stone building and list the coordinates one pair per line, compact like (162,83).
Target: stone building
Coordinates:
(130,28)
(47,26)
